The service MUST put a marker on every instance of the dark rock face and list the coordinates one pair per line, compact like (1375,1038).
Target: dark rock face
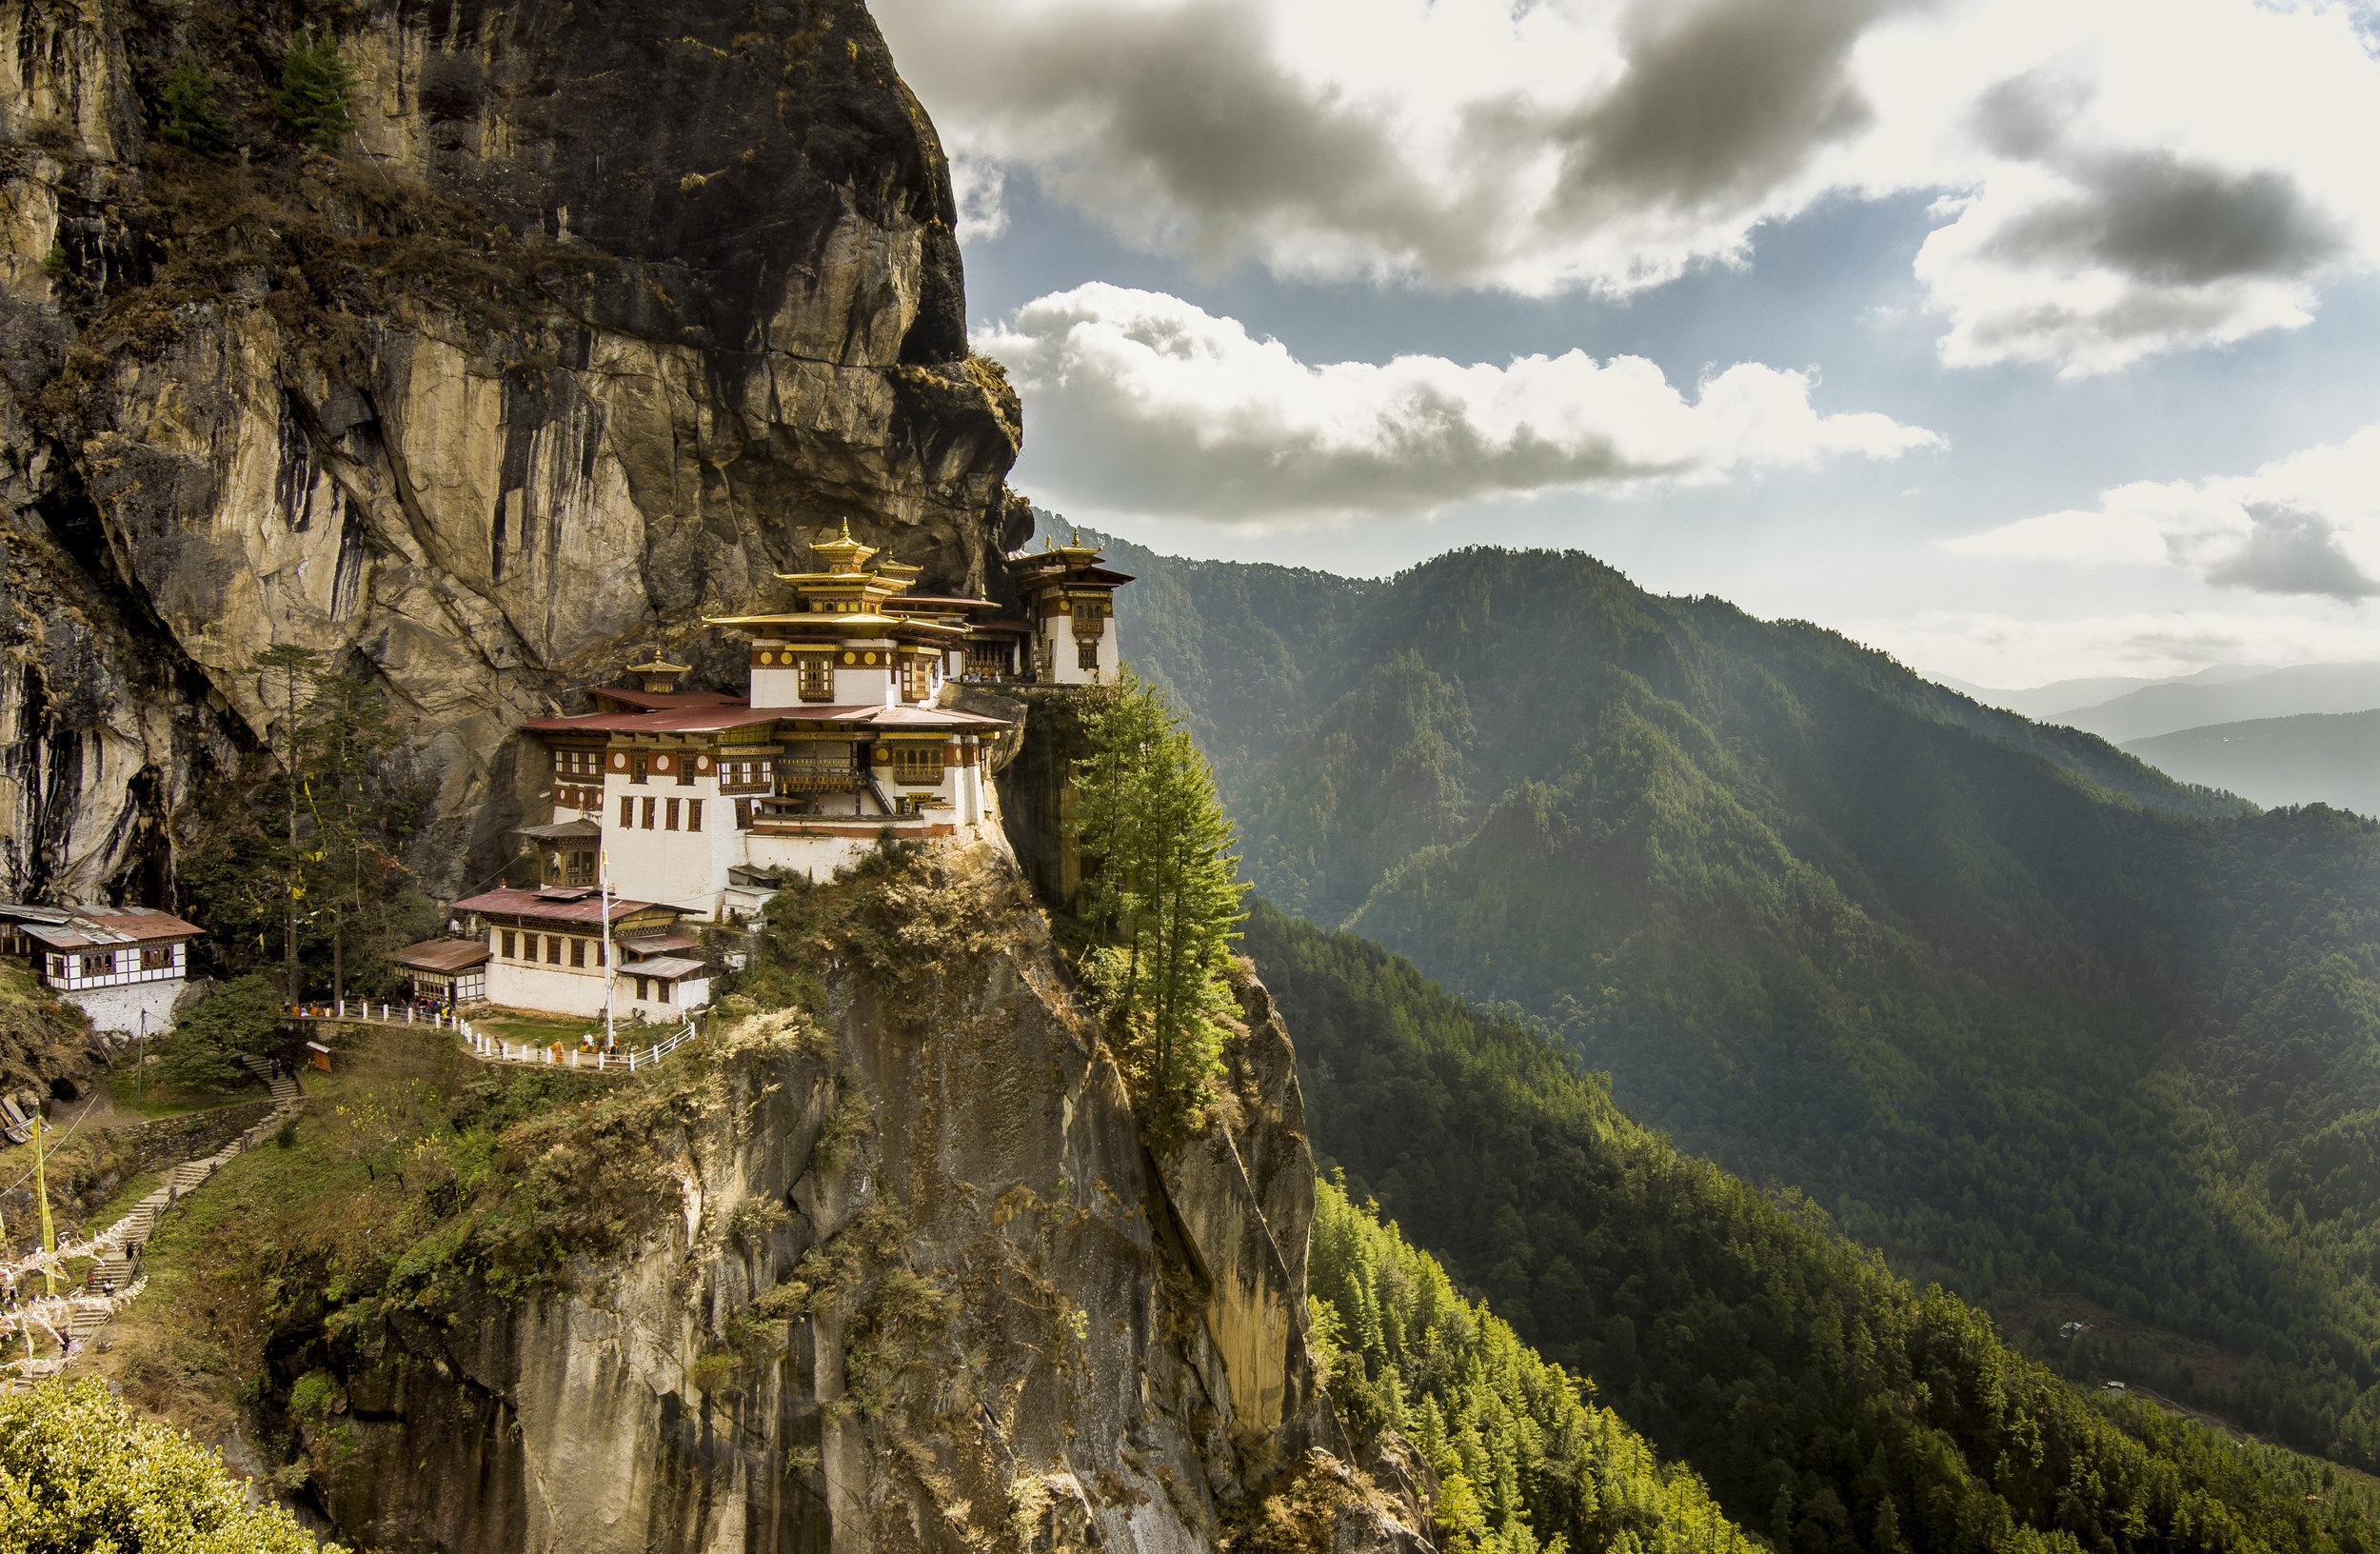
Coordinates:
(605,313)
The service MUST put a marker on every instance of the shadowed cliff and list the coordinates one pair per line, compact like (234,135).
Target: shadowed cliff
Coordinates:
(600,315)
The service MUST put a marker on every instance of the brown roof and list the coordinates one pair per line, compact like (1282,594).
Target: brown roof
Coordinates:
(100,927)
(557,906)
(448,956)
(668,967)
(563,830)
(657,699)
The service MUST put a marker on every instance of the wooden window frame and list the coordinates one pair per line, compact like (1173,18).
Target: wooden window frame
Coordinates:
(918,766)
(511,948)
(814,677)
(553,949)
(156,957)
(669,815)
(649,807)
(693,814)
(628,811)
(578,951)
(1086,653)
(744,815)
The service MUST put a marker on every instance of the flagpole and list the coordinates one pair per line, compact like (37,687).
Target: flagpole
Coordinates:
(611,976)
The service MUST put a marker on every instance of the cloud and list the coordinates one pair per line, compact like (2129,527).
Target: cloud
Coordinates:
(2120,177)
(2305,526)
(1145,405)
(1992,649)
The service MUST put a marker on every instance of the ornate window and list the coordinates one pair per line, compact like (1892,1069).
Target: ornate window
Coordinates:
(157,958)
(744,815)
(916,764)
(1086,655)
(101,965)
(669,818)
(637,767)
(628,811)
(693,814)
(817,678)
(649,814)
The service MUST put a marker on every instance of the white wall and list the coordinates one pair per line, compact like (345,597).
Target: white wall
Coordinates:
(123,1008)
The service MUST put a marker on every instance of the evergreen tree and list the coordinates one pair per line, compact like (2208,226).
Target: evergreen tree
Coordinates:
(288,672)
(357,813)
(1163,891)
(243,1018)
(187,116)
(317,93)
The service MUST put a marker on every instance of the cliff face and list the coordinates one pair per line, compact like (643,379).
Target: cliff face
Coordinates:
(913,1283)
(602,315)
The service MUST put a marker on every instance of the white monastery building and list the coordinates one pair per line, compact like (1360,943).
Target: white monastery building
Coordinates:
(122,965)
(702,800)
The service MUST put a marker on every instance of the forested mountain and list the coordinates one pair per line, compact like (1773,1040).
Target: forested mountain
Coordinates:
(2033,1019)
(1828,1404)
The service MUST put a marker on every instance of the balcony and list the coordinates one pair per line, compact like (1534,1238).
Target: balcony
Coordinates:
(799,775)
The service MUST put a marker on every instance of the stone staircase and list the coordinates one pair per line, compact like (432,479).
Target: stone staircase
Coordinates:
(283,1085)
(119,1266)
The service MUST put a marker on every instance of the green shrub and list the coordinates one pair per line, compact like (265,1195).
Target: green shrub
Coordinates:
(79,1472)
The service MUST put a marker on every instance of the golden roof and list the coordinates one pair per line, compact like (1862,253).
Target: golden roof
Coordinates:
(843,555)
(659,665)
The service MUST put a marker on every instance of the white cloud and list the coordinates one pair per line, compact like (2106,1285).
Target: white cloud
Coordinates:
(2125,176)
(1143,404)
(2308,524)
(1991,649)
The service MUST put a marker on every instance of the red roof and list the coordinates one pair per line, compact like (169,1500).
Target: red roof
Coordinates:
(712,720)
(508,902)
(443,955)
(662,698)
(677,719)
(102,927)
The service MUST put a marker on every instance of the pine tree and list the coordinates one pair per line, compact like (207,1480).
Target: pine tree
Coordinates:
(286,670)
(344,768)
(187,117)
(1164,892)
(317,95)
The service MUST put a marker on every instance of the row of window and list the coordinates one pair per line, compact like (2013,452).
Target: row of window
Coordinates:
(670,809)
(527,946)
(107,963)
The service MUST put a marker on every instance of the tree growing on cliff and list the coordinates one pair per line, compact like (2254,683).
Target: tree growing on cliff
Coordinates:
(187,115)
(1162,892)
(313,847)
(317,92)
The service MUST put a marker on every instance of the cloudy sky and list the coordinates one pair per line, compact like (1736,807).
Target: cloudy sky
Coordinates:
(2025,339)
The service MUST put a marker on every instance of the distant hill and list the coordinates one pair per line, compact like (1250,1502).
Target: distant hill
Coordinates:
(2315,758)
(2021,1010)
(2196,704)
(2065,695)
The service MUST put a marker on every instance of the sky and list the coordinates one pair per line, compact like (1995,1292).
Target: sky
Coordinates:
(2021,340)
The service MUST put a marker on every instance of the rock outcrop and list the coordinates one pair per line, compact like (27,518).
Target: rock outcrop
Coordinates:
(917,1285)
(600,315)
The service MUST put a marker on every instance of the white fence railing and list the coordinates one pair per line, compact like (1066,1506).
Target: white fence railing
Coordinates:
(496,1049)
